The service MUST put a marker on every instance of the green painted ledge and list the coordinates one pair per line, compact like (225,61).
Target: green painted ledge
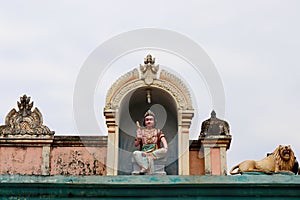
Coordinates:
(151,187)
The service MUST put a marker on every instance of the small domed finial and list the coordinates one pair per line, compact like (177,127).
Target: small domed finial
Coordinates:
(213,114)
(214,126)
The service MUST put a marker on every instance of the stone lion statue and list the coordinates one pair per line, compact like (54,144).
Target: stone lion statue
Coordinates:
(282,159)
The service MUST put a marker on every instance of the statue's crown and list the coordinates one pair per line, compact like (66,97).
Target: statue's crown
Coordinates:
(149,113)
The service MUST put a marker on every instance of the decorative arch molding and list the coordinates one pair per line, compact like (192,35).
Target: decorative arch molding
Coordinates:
(126,79)
(147,77)
(167,82)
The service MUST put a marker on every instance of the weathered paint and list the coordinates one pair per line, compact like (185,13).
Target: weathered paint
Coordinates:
(78,161)
(20,160)
(65,155)
(71,155)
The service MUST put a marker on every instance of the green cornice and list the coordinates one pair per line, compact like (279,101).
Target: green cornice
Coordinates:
(153,187)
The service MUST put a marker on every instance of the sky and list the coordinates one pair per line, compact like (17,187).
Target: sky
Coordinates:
(254,46)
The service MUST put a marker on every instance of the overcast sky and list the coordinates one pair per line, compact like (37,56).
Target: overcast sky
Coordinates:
(254,45)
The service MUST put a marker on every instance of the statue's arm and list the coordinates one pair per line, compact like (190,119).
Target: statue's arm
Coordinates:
(137,142)
(164,141)
(138,138)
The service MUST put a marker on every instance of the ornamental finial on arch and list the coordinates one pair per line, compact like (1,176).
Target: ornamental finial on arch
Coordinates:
(149,70)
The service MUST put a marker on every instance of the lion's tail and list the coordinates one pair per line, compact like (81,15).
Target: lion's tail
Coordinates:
(233,168)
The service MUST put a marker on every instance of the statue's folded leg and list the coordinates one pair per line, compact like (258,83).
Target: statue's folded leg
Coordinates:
(159,153)
(141,160)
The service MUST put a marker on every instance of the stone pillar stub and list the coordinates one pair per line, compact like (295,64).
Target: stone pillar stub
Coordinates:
(112,145)
(207,161)
(208,143)
(46,160)
(184,123)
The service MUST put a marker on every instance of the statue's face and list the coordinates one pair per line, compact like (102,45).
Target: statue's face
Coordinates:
(149,121)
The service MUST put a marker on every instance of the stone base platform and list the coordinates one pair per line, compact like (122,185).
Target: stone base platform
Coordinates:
(151,187)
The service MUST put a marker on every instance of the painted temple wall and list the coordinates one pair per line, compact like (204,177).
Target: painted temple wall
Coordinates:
(20,160)
(69,156)
(78,161)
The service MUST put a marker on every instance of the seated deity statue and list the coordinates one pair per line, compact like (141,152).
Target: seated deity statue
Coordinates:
(149,140)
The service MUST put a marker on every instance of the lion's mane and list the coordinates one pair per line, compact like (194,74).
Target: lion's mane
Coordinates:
(284,165)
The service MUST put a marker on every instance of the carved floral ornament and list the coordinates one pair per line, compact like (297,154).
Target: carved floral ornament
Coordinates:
(145,78)
(24,122)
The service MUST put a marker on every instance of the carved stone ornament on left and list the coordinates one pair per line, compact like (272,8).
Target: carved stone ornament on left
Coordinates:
(25,123)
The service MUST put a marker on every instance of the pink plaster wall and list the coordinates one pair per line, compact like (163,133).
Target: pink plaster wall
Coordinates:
(215,161)
(78,161)
(20,160)
(196,162)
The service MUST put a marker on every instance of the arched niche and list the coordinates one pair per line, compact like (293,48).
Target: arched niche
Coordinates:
(126,103)
(134,105)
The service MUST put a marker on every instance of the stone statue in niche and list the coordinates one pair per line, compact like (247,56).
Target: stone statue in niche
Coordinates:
(149,141)
(25,122)
(214,126)
(282,160)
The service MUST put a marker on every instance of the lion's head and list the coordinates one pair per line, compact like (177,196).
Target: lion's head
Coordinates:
(285,157)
